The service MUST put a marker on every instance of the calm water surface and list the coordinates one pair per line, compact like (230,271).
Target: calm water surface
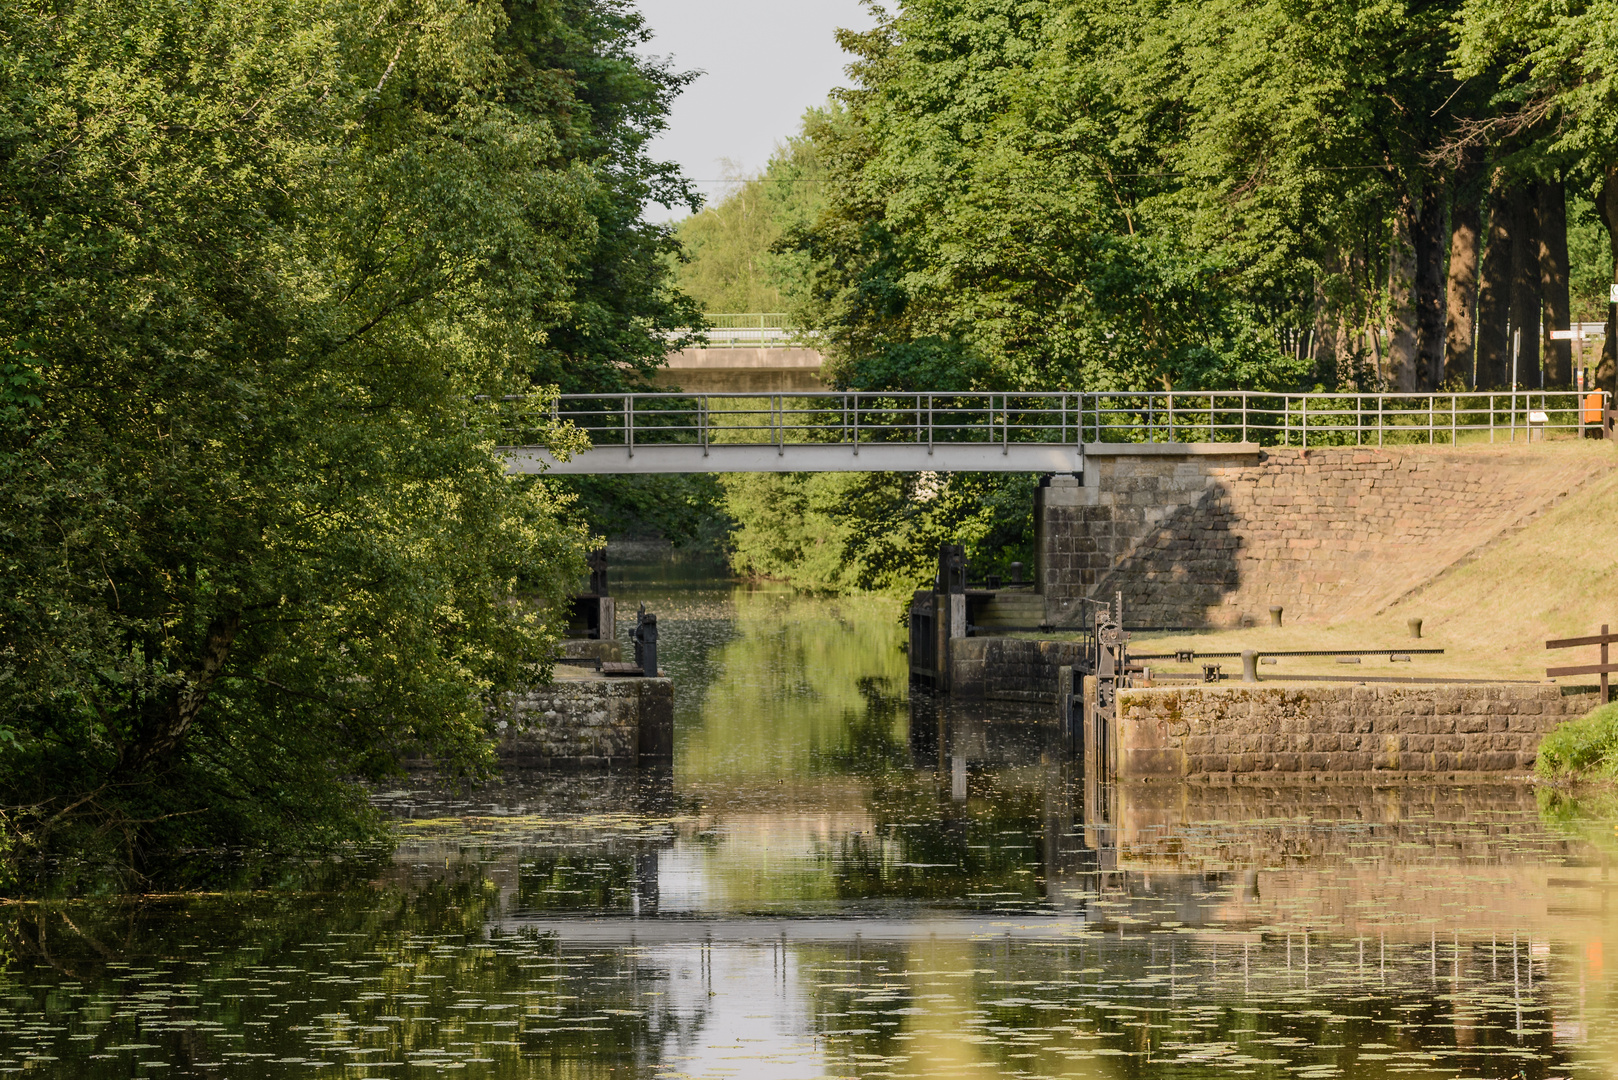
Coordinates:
(838,880)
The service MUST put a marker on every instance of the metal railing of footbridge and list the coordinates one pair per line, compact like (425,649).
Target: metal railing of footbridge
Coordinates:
(1241,416)
(968,428)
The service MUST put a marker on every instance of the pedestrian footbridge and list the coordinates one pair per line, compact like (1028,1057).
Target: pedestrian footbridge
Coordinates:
(859,431)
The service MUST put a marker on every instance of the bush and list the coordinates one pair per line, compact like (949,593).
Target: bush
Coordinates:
(1587,746)
(875,532)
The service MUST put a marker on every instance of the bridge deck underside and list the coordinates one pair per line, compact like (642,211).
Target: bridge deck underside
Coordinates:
(802,457)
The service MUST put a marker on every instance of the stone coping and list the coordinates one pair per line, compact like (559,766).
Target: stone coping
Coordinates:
(1296,682)
(1376,778)
(1116,449)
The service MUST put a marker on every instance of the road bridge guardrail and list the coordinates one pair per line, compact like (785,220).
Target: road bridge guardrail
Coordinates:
(752,330)
(1007,431)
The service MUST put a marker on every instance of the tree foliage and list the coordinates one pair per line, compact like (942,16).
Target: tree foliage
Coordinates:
(682,508)
(733,262)
(1238,194)
(1090,196)
(575,63)
(1554,112)
(268,264)
(861,532)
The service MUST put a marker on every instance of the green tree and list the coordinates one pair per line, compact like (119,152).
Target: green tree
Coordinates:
(1556,109)
(860,532)
(734,261)
(727,252)
(574,65)
(268,265)
(1036,196)
(682,508)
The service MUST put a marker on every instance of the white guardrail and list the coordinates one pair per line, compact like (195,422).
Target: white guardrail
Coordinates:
(856,418)
(769,330)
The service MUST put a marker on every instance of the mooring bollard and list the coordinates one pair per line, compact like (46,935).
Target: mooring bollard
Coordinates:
(1275,614)
(645,638)
(1249,665)
(1016,573)
(1415,627)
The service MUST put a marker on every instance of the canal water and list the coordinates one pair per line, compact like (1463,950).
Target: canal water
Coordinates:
(841,879)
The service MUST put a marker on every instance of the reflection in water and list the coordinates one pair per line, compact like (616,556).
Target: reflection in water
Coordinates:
(837,879)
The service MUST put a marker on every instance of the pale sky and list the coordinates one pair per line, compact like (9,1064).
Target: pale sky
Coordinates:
(765,62)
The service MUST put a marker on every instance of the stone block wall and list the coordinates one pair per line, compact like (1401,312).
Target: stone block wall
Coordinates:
(1202,537)
(1009,669)
(589,649)
(1258,732)
(588,723)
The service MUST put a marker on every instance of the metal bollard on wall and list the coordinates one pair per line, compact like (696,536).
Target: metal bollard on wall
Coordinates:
(1249,665)
(1275,614)
(645,638)
(951,569)
(597,562)
(1415,627)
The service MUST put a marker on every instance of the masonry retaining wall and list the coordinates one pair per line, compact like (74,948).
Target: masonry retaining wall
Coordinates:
(1205,536)
(1255,732)
(1009,669)
(588,722)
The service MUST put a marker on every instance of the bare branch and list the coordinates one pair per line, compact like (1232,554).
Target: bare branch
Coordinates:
(1472,134)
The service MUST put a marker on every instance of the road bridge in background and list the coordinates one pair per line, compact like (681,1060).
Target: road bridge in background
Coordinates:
(754,330)
(857,431)
(754,353)
(739,370)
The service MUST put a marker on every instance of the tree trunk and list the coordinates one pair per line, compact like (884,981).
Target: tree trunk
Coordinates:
(1525,297)
(1462,291)
(1558,355)
(1401,371)
(1494,292)
(1322,341)
(1344,357)
(168,734)
(1607,207)
(1327,321)
(1430,288)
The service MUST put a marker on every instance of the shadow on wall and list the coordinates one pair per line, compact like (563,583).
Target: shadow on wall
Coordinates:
(1164,535)
(1181,564)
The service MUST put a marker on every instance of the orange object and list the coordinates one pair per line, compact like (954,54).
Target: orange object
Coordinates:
(1592,408)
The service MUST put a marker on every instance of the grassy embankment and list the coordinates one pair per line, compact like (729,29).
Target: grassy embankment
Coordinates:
(1586,748)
